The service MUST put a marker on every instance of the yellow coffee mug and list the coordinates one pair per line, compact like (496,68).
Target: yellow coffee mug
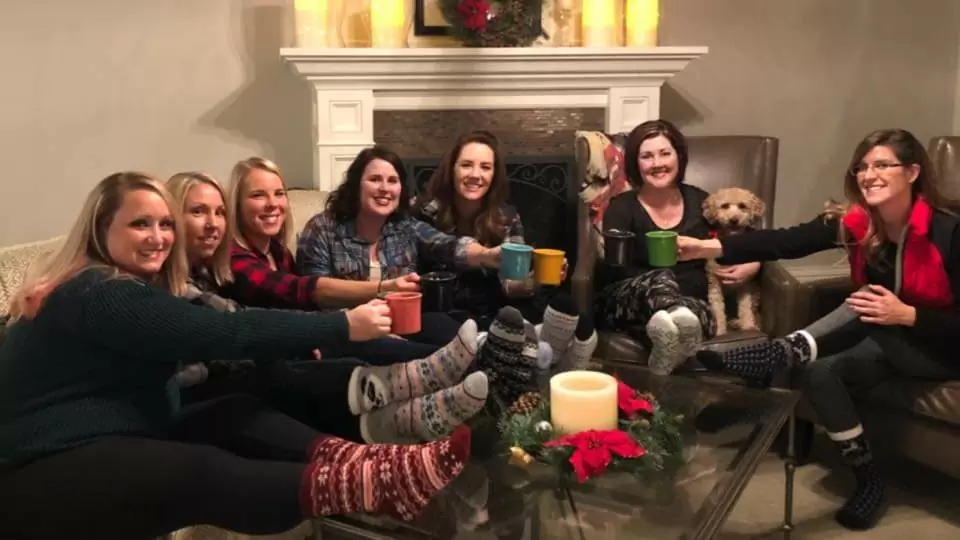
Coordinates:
(548,266)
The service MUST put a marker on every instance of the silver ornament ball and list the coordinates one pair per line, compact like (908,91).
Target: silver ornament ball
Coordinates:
(543,428)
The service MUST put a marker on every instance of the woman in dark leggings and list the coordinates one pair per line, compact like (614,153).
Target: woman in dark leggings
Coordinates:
(89,442)
(903,240)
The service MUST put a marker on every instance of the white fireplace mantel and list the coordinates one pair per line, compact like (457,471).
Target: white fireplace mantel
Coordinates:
(349,84)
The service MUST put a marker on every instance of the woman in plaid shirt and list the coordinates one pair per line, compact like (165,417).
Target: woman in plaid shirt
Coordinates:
(467,196)
(366,243)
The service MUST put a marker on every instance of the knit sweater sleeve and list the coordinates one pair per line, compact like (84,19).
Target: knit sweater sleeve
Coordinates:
(146,322)
(818,234)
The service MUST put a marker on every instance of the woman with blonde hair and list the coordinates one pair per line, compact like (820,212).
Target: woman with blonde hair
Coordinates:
(88,440)
(902,237)
(315,393)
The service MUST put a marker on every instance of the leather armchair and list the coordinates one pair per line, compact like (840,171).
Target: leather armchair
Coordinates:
(715,162)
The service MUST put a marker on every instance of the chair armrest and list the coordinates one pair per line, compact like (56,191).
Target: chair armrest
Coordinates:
(582,281)
(788,303)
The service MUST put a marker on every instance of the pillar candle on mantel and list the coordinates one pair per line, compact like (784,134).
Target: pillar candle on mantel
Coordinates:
(643,18)
(598,23)
(311,22)
(583,400)
(386,23)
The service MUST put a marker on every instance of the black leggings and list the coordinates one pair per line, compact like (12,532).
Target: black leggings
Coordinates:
(312,392)
(232,463)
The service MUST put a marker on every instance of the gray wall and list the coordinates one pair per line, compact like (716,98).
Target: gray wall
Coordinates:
(94,86)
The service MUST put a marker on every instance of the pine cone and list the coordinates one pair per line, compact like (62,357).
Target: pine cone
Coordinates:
(526,403)
(647,396)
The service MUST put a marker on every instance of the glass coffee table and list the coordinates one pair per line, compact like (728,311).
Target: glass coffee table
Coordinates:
(727,430)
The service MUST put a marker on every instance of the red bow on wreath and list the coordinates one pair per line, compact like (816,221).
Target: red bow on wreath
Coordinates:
(474,14)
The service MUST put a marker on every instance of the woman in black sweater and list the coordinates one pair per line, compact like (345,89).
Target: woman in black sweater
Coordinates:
(903,241)
(88,438)
(669,305)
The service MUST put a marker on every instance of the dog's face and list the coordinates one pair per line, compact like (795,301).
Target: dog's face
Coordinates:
(733,210)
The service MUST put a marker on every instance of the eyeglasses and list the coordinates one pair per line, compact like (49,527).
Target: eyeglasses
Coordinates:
(879,167)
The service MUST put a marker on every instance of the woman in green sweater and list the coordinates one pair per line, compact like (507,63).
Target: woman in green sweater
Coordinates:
(88,440)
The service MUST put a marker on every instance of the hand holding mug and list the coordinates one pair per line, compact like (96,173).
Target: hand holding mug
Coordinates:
(407,283)
(491,257)
(689,249)
(369,321)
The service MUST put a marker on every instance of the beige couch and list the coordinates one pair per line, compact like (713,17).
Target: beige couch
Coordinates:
(14,261)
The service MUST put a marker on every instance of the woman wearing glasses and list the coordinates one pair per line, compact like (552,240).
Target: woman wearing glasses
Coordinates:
(902,237)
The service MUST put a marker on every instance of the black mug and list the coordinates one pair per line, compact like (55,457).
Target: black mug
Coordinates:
(438,289)
(618,247)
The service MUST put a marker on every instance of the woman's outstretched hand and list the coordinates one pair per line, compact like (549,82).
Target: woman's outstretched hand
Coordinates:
(689,249)
(369,321)
(406,283)
(491,257)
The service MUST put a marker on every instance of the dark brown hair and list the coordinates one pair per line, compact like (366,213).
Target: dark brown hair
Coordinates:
(649,130)
(344,202)
(488,226)
(910,152)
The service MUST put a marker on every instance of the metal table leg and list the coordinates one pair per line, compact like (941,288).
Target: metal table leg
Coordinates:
(790,467)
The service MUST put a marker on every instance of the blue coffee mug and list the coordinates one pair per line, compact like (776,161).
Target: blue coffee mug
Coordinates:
(515,260)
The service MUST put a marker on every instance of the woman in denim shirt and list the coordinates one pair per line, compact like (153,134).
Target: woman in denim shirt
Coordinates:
(365,243)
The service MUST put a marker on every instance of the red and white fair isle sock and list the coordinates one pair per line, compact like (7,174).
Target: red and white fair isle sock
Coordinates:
(390,479)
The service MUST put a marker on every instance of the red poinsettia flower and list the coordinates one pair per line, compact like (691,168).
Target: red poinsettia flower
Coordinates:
(594,450)
(628,401)
(474,14)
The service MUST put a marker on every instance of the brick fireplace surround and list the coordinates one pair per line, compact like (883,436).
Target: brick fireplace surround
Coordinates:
(417,100)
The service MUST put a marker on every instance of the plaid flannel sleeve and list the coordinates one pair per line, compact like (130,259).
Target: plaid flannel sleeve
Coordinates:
(441,246)
(313,250)
(256,284)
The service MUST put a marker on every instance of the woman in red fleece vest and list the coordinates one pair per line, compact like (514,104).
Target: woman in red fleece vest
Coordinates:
(903,240)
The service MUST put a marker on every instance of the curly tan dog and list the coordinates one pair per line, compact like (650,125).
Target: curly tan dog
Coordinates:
(731,211)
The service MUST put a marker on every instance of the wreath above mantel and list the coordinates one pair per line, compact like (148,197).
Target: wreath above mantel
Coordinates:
(494,23)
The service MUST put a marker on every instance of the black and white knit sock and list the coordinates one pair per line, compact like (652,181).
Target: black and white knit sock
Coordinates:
(371,387)
(560,321)
(869,500)
(501,356)
(581,350)
(429,417)
(664,336)
(758,363)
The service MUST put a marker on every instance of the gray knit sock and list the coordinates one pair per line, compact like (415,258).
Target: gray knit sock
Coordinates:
(665,343)
(371,387)
(691,333)
(580,353)
(426,418)
(559,323)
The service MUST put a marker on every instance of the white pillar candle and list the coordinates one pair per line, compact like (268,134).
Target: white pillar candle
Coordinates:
(310,22)
(583,400)
(598,23)
(386,23)
(642,18)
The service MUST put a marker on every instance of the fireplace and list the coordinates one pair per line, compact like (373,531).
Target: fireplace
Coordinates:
(350,85)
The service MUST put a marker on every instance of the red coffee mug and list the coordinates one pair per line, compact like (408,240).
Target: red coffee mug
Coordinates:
(405,312)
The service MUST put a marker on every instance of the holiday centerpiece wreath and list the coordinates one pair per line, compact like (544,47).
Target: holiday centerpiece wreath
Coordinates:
(494,23)
(646,444)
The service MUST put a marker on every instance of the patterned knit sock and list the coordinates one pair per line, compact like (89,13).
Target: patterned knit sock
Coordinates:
(429,417)
(691,333)
(868,502)
(501,356)
(371,387)
(760,362)
(396,480)
(580,353)
(665,343)
(559,323)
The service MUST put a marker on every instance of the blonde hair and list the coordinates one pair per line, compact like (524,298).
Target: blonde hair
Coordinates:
(86,245)
(180,186)
(238,180)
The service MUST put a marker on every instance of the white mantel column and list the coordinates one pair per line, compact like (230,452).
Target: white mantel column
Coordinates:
(342,127)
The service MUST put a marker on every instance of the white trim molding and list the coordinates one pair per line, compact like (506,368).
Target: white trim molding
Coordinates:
(349,84)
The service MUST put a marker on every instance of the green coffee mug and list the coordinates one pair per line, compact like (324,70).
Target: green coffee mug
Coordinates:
(662,248)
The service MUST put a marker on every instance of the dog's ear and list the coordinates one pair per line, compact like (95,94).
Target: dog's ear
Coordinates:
(758,209)
(709,210)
